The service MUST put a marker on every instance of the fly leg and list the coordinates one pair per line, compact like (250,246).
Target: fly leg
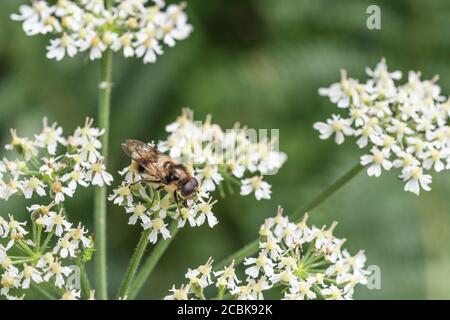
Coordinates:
(154,194)
(175,196)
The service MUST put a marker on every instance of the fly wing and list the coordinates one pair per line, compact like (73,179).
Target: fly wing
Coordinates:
(147,157)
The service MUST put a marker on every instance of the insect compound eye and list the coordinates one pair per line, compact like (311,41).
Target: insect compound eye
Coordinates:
(189,187)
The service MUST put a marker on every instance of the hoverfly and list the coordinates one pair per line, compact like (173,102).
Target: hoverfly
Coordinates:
(158,168)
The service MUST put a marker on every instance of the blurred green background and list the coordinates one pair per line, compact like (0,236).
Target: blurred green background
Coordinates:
(260,63)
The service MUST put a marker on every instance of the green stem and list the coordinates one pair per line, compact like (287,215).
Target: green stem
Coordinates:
(151,262)
(46,241)
(85,283)
(42,291)
(22,261)
(25,247)
(230,177)
(329,192)
(220,293)
(35,162)
(134,264)
(38,237)
(251,248)
(29,173)
(21,249)
(100,193)
(221,191)
(34,231)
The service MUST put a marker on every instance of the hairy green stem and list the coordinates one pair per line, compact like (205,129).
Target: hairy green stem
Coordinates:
(251,248)
(84,279)
(151,262)
(134,264)
(104,104)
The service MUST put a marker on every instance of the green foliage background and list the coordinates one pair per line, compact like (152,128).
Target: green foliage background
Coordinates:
(259,62)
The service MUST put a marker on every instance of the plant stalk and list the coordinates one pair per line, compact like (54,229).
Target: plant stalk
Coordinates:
(104,104)
(151,262)
(42,291)
(85,283)
(134,264)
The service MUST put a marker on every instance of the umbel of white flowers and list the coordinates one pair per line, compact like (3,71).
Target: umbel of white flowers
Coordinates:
(43,255)
(53,166)
(137,28)
(402,126)
(198,145)
(306,262)
(50,167)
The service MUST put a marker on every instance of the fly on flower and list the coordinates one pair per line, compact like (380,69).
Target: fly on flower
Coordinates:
(158,168)
(190,164)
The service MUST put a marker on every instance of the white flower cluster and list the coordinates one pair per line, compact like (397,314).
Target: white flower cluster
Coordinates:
(133,27)
(154,209)
(46,171)
(217,155)
(44,255)
(307,262)
(403,126)
(50,166)
(197,146)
